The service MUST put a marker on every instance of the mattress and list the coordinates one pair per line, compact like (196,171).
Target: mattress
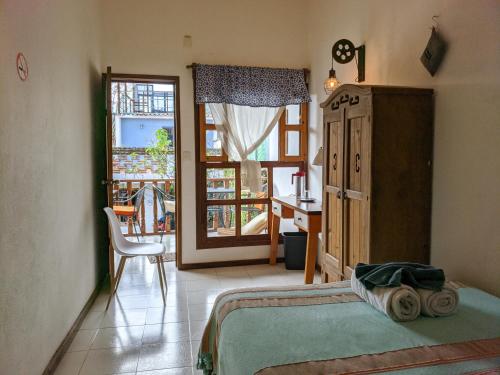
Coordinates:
(328,329)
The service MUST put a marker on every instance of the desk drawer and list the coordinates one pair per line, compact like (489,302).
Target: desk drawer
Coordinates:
(301,220)
(276,208)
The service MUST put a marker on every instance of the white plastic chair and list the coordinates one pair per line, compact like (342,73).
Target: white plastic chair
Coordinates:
(127,249)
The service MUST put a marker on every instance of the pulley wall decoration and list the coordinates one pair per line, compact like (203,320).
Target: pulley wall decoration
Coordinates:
(343,52)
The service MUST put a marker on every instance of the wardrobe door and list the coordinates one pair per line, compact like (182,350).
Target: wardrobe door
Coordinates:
(332,198)
(356,185)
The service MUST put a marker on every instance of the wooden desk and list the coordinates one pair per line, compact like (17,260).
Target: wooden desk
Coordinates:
(307,216)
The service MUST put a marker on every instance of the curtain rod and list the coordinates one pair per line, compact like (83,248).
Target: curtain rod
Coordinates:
(194,64)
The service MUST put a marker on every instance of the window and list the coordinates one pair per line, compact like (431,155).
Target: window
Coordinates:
(228,215)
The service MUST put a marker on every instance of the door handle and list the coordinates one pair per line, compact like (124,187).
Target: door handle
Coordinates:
(357,162)
(109,182)
(335,161)
(339,195)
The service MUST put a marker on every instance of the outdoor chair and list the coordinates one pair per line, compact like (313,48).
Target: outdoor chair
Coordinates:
(132,212)
(167,205)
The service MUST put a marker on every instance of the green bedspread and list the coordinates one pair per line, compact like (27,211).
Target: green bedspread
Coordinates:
(321,328)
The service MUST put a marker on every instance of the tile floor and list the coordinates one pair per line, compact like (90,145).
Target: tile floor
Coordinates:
(140,336)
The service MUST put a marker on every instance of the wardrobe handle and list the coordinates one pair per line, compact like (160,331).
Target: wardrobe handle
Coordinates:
(344,98)
(354,100)
(339,195)
(357,162)
(335,161)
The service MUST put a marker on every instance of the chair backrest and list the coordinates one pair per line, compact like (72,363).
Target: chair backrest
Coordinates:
(160,196)
(139,197)
(118,240)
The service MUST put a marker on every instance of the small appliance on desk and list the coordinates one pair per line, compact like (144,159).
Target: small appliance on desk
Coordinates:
(298,179)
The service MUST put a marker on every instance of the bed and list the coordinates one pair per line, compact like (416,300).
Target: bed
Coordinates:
(327,329)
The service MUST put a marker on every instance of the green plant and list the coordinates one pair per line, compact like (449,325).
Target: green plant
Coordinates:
(160,150)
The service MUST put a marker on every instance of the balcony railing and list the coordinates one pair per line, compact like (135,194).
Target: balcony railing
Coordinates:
(150,211)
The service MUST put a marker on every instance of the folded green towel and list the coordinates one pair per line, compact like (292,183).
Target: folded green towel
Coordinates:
(394,274)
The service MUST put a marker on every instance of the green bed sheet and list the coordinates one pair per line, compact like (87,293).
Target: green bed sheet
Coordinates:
(256,329)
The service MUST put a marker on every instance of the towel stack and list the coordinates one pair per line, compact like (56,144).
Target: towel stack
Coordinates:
(403,291)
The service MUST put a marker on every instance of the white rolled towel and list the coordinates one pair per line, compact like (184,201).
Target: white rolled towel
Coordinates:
(438,303)
(401,303)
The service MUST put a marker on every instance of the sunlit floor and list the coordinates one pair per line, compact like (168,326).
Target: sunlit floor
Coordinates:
(138,335)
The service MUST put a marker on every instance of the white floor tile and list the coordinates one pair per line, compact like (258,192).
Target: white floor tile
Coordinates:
(121,318)
(194,285)
(130,302)
(200,312)
(234,283)
(196,328)
(71,363)
(168,371)
(156,315)
(165,355)
(92,320)
(169,332)
(110,361)
(118,337)
(140,335)
(82,340)
(203,296)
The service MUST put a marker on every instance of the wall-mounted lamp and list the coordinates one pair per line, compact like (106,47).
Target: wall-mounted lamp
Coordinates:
(343,51)
(318,159)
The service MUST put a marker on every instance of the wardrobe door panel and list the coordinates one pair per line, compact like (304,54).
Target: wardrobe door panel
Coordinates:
(332,262)
(335,140)
(356,209)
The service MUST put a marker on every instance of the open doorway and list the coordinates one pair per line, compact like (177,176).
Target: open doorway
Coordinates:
(143,147)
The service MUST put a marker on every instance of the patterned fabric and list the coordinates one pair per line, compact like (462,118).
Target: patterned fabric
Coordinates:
(417,357)
(250,86)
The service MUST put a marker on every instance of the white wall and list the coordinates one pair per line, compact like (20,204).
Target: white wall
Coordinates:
(48,261)
(465,239)
(147,38)
(466,192)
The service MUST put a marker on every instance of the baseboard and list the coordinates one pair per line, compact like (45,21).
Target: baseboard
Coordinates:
(63,347)
(230,263)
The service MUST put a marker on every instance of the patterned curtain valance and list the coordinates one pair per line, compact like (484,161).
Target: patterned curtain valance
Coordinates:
(249,86)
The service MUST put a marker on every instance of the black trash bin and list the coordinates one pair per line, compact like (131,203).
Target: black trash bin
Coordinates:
(295,250)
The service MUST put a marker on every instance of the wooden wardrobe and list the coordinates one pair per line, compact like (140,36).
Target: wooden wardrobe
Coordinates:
(377,177)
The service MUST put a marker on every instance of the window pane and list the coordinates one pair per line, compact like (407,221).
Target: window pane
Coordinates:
(293,114)
(220,183)
(221,221)
(263,193)
(268,149)
(208,116)
(253,219)
(214,146)
(292,143)
(282,178)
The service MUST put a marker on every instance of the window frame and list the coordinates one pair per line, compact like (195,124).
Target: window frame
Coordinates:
(204,162)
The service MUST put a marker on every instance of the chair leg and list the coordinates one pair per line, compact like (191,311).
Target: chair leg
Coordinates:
(164,273)
(158,260)
(121,266)
(134,223)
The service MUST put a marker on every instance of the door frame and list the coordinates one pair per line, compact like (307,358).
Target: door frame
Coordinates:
(140,78)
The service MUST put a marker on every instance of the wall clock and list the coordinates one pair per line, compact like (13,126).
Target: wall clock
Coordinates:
(22,67)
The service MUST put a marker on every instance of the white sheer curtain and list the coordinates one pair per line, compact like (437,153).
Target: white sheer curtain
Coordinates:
(242,129)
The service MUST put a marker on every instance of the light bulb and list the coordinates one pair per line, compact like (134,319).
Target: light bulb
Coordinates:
(331,83)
